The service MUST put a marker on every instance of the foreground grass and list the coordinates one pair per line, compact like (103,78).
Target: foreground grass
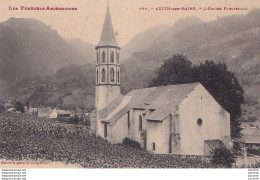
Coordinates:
(23,137)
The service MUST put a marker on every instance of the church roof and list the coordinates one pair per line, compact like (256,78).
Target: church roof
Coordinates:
(163,100)
(107,36)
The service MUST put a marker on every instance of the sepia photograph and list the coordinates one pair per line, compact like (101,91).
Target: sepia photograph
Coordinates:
(138,84)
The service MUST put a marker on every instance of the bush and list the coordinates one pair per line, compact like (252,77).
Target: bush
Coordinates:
(19,107)
(237,149)
(69,120)
(252,118)
(222,156)
(2,108)
(86,122)
(130,143)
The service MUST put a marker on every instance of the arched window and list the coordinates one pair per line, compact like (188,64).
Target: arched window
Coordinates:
(140,123)
(153,146)
(112,57)
(118,76)
(97,59)
(103,57)
(112,75)
(117,58)
(97,76)
(103,73)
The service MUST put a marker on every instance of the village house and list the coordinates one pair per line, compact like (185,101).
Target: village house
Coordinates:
(8,105)
(63,114)
(177,119)
(251,141)
(33,111)
(44,112)
(57,113)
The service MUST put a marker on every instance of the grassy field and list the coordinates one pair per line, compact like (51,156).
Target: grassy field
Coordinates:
(24,137)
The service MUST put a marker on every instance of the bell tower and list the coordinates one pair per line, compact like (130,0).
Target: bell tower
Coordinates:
(107,69)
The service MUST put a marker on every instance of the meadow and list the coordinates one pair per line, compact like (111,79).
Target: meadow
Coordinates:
(25,137)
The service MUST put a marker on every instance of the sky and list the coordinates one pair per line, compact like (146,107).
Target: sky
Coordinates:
(127,18)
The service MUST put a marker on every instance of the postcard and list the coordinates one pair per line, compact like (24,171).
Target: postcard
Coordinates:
(129,84)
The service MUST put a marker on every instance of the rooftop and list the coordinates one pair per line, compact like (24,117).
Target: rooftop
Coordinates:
(251,139)
(163,100)
(107,36)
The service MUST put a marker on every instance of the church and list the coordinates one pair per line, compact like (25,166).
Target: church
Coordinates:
(179,119)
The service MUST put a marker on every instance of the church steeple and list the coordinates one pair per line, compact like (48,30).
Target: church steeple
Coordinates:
(107,36)
(107,65)
(107,70)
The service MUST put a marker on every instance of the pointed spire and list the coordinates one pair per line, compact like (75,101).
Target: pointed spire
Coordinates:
(107,36)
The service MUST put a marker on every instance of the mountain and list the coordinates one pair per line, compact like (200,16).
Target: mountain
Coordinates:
(87,50)
(181,24)
(30,48)
(142,41)
(234,40)
(138,73)
(71,87)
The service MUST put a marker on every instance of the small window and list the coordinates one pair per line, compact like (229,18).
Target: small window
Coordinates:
(199,122)
(103,73)
(117,58)
(105,130)
(112,57)
(153,146)
(128,119)
(97,76)
(97,59)
(140,123)
(103,57)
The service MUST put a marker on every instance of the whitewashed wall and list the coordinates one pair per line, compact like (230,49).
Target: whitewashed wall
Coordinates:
(215,121)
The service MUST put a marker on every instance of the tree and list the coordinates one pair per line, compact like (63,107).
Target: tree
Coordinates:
(28,105)
(19,106)
(2,108)
(175,70)
(222,84)
(224,87)
(222,156)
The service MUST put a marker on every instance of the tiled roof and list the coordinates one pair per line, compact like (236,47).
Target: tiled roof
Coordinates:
(107,36)
(163,100)
(251,139)
(63,112)
(107,110)
(44,112)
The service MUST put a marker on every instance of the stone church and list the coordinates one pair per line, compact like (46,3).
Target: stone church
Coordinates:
(177,119)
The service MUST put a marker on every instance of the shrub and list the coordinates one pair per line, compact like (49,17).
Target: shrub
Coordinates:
(19,106)
(222,156)
(237,149)
(130,143)
(2,109)
(252,118)
(75,119)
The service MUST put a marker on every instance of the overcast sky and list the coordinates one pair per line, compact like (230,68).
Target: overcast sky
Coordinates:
(86,23)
